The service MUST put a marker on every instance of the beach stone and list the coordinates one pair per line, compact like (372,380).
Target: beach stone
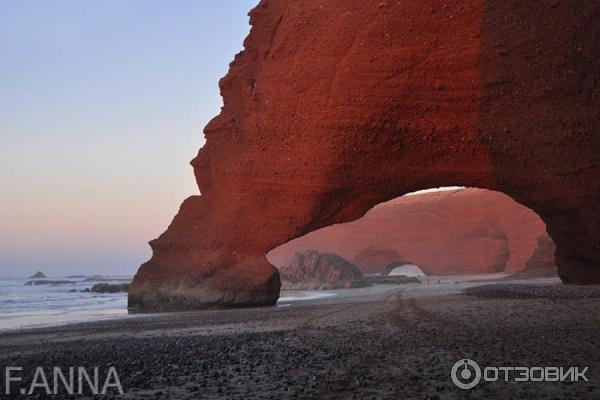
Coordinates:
(334,107)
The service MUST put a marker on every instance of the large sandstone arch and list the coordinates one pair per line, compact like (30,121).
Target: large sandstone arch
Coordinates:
(460,231)
(336,106)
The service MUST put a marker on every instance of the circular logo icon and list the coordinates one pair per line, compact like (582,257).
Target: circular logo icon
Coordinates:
(465,374)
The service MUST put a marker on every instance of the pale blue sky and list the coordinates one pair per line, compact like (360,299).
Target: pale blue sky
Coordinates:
(102,105)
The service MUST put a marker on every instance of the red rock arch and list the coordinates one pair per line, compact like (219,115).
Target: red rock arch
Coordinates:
(335,107)
(459,231)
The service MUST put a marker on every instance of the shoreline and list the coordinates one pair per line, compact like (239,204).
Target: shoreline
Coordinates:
(291,297)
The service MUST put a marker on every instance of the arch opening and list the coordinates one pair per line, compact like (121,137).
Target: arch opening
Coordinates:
(446,231)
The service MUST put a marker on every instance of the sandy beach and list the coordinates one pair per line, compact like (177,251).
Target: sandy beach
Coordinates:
(380,342)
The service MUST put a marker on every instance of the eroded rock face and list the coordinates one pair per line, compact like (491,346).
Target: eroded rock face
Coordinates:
(541,261)
(371,260)
(335,107)
(311,270)
(449,232)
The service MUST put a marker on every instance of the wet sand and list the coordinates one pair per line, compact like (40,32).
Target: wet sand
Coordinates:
(383,342)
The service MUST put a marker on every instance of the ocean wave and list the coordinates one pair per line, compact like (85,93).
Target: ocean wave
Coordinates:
(28,306)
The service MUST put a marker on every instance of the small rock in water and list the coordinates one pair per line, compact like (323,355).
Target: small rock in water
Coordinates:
(110,288)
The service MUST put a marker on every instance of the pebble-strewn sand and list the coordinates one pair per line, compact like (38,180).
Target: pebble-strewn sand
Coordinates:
(396,343)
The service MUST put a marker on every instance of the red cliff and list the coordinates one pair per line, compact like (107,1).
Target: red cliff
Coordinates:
(334,107)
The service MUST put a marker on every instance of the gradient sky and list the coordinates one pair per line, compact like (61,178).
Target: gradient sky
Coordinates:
(102,105)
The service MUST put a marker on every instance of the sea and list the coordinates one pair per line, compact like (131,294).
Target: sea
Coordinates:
(30,306)
(24,306)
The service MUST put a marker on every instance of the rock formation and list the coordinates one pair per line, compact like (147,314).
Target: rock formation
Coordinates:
(110,287)
(542,258)
(312,270)
(334,107)
(371,260)
(41,282)
(447,232)
(38,275)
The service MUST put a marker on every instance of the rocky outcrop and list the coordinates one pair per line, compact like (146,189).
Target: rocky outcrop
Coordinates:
(48,282)
(334,107)
(110,288)
(447,232)
(311,270)
(38,275)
